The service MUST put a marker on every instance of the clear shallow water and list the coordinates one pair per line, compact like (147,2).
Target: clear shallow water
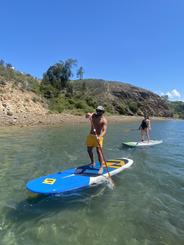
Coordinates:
(146,206)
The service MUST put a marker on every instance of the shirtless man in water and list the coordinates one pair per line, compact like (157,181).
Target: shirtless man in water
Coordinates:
(95,137)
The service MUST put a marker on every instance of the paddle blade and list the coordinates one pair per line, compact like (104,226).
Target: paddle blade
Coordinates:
(110,183)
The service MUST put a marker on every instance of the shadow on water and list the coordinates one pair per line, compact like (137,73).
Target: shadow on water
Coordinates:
(36,208)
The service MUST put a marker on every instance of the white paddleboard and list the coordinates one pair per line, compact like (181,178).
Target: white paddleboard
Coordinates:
(143,143)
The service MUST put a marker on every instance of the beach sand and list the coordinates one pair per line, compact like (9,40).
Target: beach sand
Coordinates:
(30,119)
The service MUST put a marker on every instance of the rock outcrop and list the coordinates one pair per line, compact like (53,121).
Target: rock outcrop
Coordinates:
(15,101)
(123,98)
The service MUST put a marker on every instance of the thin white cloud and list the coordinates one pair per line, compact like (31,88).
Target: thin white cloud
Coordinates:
(172,95)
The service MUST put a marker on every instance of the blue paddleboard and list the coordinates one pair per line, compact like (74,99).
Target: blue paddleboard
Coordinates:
(76,178)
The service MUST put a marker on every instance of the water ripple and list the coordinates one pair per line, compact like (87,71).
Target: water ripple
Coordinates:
(145,207)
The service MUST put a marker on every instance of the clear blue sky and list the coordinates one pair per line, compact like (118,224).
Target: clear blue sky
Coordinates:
(136,41)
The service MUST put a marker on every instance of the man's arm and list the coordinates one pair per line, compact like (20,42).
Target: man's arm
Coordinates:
(149,124)
(89,115)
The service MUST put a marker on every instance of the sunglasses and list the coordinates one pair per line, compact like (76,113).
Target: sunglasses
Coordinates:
(99,111)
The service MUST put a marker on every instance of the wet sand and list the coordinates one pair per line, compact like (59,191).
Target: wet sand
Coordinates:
(30,119)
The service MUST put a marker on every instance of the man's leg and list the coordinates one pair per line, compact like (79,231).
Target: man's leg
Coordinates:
(147,134)
(142,135)
(90,152)
(100,159)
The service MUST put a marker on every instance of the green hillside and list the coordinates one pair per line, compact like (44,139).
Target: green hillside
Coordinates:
(79,96)
(177,109)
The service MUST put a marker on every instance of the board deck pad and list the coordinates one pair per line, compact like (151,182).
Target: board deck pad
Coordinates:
(76,178)
(142,143)
(93,171)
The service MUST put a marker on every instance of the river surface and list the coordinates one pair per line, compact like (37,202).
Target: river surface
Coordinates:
(145,207)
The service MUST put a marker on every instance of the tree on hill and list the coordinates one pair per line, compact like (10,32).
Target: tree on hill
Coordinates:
(80,73)
(59,74)
(9,66)
(2,62)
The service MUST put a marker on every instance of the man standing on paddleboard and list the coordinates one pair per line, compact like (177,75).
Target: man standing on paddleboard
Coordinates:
(95,137)
(145,127)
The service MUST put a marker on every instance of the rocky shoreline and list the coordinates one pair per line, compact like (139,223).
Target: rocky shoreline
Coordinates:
(31,119)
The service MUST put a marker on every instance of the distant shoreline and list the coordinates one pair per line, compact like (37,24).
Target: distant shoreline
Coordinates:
(30,119)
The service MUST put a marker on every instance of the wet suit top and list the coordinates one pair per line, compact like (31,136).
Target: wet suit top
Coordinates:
(144,124)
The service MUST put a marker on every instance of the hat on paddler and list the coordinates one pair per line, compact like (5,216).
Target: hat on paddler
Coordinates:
(100,108)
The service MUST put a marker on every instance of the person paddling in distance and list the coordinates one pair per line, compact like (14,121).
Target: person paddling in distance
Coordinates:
(95,137)
(145,127)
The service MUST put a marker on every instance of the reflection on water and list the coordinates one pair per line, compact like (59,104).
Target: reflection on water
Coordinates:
(145,207)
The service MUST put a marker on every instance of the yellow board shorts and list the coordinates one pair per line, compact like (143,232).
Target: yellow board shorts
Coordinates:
(91,141)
